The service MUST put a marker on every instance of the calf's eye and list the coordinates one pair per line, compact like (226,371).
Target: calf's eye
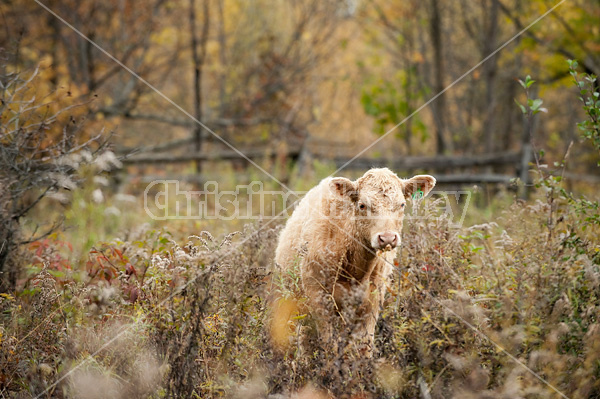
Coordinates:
(362,206)
(402,206)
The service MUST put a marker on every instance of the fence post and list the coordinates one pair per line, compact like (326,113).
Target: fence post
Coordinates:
(304,160)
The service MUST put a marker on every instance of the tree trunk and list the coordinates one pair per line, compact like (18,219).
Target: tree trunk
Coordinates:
(198,57)
(222,58)
(489,72)
(438,107)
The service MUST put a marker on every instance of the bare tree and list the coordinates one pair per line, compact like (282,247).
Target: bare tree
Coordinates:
(576,48)
(438,107)
(198,58)
(37,158)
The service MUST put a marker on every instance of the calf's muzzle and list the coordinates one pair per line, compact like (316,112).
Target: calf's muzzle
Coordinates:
(387,238)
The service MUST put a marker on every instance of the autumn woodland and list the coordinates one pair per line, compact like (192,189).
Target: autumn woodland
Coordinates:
(152,152)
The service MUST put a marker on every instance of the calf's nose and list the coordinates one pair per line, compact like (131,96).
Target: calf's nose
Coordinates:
(387,238)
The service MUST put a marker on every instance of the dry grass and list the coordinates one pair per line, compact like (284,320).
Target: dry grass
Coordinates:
(150,317)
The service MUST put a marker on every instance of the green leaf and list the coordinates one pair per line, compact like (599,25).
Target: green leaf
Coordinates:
(572,64)
(523,109)
(529,81)
(535,104)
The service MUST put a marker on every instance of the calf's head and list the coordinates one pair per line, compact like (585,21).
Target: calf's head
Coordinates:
(376,202)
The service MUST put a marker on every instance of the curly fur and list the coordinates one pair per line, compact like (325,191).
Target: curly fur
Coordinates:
(333,233)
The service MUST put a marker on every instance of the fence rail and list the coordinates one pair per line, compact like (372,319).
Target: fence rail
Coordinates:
(202,157)
(402,163)
(435,163)
(481,166)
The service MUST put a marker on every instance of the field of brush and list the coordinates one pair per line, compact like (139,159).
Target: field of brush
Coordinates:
(116,306)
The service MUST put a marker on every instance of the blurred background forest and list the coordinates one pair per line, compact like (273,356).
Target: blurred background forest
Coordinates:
(303,80)
(100,98)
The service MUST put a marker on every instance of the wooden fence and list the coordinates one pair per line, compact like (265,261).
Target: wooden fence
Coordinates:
(451,169)
(413,163)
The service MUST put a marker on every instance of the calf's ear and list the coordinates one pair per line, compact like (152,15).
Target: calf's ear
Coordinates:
(344,187)
(422,183)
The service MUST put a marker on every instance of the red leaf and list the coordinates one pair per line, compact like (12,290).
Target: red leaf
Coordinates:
(134,293)
(129,269)
(119,254)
